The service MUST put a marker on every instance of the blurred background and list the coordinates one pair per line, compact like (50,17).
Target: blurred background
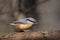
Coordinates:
(46,12)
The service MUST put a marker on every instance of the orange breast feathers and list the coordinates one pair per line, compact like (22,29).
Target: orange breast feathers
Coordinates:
(23,26)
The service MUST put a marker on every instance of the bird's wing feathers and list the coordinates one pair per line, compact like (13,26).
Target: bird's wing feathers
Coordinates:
(21,21)
(25,20)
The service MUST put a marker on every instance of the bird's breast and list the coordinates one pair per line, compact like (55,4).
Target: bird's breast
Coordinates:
(23,26)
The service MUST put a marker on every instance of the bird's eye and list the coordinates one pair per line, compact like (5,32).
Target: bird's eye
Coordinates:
(27,19)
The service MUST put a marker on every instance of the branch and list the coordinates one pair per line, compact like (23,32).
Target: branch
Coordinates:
(30,36)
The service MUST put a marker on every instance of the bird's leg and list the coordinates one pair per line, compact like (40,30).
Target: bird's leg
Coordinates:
(19,30)
(29,30)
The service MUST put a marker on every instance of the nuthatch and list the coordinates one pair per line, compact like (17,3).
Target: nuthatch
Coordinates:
(24,24)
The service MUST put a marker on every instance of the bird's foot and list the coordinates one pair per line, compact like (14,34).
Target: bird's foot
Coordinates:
(27,30)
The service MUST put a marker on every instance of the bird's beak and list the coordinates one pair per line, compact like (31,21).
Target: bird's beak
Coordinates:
(12,24)
(35,22)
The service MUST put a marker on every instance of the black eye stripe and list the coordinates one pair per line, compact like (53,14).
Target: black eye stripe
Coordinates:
(30,20)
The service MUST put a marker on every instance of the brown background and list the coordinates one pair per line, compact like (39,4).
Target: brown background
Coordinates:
(46,12)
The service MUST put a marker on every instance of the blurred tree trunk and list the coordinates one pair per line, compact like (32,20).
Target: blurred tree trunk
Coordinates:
(16,6)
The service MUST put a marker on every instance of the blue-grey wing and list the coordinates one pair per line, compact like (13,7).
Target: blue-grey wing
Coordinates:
(22,20)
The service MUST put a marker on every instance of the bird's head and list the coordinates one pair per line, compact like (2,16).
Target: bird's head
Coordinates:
(31,20)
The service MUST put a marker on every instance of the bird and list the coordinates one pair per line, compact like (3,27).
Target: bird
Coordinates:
(23,24)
